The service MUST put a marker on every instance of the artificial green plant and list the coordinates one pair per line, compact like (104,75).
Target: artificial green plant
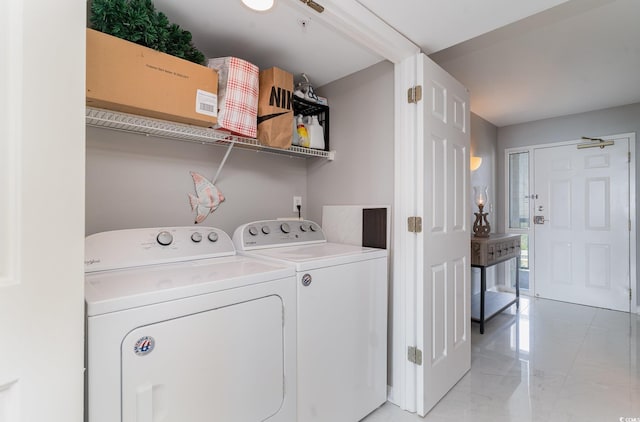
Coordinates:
(139,22)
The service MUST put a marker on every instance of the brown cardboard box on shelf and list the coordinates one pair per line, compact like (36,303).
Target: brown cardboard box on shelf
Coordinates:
(127,77)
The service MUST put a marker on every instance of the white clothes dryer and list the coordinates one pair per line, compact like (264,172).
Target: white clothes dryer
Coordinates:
(180,328)
(342,317)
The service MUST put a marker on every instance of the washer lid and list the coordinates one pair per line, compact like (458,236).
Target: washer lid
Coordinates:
(116,290)
(307,257)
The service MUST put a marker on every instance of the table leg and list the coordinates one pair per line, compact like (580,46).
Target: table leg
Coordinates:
(483,289)
(517,282)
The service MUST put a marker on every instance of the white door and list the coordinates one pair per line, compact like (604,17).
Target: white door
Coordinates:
(582,224)
(42,67)
(443,299)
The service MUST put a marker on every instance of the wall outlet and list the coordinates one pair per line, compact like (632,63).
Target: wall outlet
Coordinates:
(297,200)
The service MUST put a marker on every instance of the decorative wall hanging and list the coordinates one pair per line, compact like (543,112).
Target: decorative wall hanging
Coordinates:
(207,197)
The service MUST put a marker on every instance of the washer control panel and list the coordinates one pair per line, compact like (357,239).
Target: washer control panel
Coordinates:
(275,233)
(138,247)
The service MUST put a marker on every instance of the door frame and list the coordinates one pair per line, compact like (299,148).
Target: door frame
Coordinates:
(42,174)
(403,376)
(633,280)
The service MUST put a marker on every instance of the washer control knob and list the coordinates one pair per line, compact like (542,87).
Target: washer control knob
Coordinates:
(313,227)
(253,231)
(285,228)
(213,236)
(196,237)
(303,228)
(266,229)
(164,238)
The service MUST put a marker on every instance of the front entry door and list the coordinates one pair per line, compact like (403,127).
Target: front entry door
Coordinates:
(582,224)
(443,300)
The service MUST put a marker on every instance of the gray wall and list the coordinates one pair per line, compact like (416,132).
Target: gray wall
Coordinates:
(137,181)
(484,138)
(362,133)
(598,123)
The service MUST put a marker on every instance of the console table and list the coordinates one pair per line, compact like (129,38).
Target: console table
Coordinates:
(486,252)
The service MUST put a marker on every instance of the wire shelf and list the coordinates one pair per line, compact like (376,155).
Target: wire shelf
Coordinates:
(115,120)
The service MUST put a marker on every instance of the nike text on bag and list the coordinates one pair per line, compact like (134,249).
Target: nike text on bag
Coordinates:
(275,108)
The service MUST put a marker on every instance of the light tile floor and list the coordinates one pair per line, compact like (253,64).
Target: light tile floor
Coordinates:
(550,362)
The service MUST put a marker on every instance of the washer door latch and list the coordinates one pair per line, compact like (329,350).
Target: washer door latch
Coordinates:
(306,280)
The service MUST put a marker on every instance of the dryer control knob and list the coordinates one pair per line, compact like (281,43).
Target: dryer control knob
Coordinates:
(196,237)
(266,229)
(303,228)
(285,228)
(253,231)
(164,238)
(313,227)
(213,236)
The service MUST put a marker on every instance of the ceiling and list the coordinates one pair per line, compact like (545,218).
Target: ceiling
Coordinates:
(522,61)
(580,56)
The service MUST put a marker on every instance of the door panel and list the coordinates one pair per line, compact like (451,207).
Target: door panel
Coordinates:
(443,299)
(582,249)
(438,207)
(438,317)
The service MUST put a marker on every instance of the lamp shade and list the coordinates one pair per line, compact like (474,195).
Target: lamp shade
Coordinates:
(475,162)
(480,195)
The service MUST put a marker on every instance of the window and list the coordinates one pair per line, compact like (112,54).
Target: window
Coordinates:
(519,212)
(519,190)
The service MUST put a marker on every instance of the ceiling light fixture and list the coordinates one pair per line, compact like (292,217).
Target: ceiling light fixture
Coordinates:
(259,5)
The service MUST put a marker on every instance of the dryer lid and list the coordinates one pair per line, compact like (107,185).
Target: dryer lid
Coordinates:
(112,291)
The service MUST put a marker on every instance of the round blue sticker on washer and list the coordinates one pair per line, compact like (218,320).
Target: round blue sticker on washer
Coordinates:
(144,345)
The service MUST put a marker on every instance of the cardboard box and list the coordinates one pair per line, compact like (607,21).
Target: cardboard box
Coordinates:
(124,76)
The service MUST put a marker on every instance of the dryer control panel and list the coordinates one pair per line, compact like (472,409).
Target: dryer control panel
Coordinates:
(139,247)
(276,233)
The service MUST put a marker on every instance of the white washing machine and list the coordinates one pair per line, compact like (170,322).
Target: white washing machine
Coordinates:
(180,328)
(342,317)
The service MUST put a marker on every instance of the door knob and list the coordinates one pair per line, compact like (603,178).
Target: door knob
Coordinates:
(539,219)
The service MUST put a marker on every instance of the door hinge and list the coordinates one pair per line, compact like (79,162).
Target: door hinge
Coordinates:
(414,224)
(629,225)
(414,94)
(630,294)
(629,155)
(414,355)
